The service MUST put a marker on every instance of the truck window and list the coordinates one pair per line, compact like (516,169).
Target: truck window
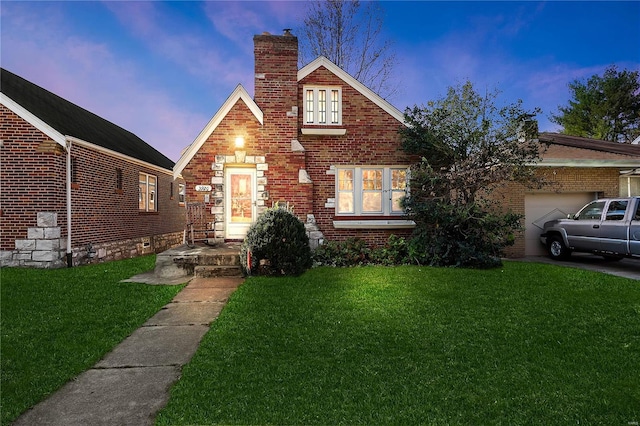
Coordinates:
(591,211)
(616,210)
(637,215)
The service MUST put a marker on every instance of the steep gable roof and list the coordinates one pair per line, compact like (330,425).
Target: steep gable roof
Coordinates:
(239,93)
(321,61)
(56,116)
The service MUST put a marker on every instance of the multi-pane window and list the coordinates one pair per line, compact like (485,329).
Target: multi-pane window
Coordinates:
(370,190)
(323,105)
(345,191)
(398,189)
(147,192)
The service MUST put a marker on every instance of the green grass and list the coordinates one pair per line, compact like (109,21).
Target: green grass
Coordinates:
(524,344)
(57,323)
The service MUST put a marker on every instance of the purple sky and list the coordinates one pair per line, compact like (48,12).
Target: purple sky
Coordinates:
(162,69)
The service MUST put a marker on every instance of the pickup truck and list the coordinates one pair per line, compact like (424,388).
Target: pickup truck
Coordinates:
(608,227)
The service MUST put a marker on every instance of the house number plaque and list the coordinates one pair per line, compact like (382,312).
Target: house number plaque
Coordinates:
(203,188)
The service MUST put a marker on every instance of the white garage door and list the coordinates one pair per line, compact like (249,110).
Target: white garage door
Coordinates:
(541,207)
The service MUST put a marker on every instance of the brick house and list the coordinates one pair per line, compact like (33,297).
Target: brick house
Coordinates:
(577,170)
(314,140)
(58,158)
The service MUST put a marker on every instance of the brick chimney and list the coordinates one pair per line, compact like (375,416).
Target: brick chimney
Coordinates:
(276,93)
(276,72)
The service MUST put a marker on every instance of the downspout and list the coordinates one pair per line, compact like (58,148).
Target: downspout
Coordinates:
(69,253)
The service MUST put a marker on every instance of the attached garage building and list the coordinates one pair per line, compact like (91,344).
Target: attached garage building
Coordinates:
(577,170)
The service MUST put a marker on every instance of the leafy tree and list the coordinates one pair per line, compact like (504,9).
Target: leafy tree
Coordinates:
(604,107)
(469,147)
(349,34)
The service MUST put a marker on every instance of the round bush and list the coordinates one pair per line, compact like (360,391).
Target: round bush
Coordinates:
(276,244)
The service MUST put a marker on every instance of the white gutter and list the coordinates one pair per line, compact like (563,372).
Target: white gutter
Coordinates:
(69,253)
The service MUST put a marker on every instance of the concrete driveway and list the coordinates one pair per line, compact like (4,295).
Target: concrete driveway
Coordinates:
(628,268)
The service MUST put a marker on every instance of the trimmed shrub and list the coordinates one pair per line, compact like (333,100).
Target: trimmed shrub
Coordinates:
(276,244)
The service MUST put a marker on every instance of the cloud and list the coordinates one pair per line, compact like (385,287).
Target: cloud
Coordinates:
(91,75)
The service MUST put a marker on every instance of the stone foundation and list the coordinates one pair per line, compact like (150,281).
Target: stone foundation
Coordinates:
(116,250)
(43,247)
(46,248)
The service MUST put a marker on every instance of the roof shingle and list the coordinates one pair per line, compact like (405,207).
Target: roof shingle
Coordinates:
(72,120)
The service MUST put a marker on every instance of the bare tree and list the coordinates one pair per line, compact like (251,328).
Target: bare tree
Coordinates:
(349,34)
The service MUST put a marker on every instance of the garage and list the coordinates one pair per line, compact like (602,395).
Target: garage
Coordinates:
(542,207)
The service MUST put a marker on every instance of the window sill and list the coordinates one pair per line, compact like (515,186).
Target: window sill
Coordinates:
(374,224)
(143,213)
(323,131)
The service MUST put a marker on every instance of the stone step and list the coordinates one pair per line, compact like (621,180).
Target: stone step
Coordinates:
(211,271)
(224,259)
(182,261)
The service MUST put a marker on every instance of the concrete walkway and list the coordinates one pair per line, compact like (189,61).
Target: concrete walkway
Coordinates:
(131,383)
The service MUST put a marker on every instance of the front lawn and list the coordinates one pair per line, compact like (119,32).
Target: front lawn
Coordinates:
(524,344)
(58,323)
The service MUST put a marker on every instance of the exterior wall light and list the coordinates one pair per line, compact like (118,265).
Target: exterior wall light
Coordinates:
(240,142)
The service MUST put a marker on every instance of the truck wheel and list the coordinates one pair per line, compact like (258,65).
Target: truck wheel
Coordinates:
(557,249)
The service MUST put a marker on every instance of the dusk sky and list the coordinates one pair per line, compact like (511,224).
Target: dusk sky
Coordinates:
(162,69)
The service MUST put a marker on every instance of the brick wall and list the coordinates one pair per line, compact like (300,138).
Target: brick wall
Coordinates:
(102,213)
(371,138)
(33,169)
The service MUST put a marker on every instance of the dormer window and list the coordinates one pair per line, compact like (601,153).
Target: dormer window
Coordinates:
(322,105)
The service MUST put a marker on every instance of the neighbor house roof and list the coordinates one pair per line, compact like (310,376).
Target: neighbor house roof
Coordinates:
(592,144)
(49,111)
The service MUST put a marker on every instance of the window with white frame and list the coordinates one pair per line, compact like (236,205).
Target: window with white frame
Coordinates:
(322,105)
(629,186)
(181,192)
(370,190)
(147,192)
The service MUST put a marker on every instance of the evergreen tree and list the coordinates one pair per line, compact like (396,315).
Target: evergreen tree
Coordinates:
(604,107)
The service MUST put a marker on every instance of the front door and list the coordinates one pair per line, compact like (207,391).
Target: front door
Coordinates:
(240,201)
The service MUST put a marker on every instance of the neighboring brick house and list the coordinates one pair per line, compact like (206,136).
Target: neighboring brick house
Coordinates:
(577,170)
(315,140)
(58,157)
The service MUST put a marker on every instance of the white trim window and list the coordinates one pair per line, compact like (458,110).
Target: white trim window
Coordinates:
(629,186)
(147,191)
(323,105)
(181,193)
(370,190)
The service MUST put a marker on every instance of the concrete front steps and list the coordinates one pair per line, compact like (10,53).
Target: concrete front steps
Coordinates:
(203,261)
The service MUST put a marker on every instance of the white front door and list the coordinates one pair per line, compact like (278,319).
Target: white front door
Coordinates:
(240,201)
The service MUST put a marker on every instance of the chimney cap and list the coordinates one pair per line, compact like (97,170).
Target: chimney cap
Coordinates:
(287,31)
